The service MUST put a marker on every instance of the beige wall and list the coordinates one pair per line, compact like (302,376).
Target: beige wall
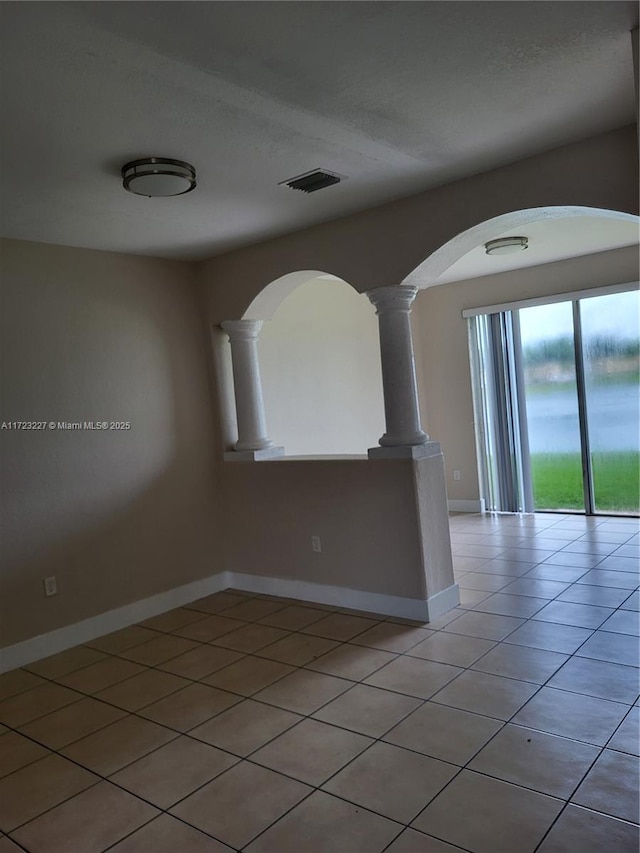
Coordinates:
(320,364)
(115,516)
(443,353)
(365,514)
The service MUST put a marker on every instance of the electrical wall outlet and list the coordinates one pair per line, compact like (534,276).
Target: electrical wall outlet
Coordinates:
(456,475)
(50,586)
(316,544)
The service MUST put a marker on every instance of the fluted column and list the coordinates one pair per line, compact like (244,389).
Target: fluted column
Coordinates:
(253,440)
(402,414)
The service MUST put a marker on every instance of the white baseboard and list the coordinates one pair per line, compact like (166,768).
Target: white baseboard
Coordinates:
(61,639)
(356,599)
(467,506)
(441,602)
(44,645)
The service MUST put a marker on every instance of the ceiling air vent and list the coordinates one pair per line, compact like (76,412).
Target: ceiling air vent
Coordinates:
(318,179)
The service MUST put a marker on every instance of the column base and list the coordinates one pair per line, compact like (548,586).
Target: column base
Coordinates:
(406,451)
(253,455)
(407,438)
(256,444)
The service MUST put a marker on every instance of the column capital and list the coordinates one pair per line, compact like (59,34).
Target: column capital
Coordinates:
(397,298)
(242,330)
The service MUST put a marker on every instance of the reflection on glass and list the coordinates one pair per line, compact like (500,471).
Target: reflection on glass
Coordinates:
(611,345)
(552,406)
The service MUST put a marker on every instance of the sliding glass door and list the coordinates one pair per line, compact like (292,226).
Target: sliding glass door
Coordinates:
(557,404)
(552,413)
(610,346)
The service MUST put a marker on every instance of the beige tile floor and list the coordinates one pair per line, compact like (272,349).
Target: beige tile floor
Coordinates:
(244,722)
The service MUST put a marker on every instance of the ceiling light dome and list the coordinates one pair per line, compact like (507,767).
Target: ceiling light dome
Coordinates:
(506,245)
(158,177)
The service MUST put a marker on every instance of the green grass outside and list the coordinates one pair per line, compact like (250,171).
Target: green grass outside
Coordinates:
(557,481)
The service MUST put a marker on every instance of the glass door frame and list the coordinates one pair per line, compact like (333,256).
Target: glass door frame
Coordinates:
(581,388)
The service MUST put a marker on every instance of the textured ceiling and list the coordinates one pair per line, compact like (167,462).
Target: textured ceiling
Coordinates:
(399,97)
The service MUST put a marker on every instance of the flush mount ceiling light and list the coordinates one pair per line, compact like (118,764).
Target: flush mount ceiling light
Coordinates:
(506,245)
(158,177)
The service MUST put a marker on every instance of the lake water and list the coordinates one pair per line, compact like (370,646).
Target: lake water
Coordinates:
(613,416)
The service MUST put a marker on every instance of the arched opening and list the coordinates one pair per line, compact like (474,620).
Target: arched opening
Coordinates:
(320,365)
(547,221)
(572,250)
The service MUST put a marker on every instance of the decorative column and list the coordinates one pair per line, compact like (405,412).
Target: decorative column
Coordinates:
(253,441)
(404,435)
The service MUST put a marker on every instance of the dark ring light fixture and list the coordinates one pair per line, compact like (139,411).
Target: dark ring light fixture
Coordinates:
(158,177)
(506,245)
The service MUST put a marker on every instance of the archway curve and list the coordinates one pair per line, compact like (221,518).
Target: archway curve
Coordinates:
(426,274)
(266,303)
(319,364)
